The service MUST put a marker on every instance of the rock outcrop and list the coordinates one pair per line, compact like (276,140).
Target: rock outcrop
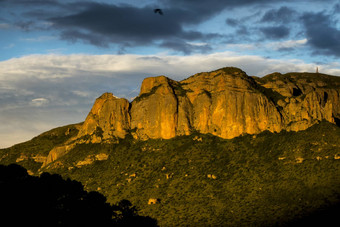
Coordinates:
(58,152)
(154,114)
(304,98)
(108,118)
(226,103)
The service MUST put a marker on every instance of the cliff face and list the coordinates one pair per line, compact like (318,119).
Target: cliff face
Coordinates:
(154,114)
(108,118)
(226,103)
(304,98)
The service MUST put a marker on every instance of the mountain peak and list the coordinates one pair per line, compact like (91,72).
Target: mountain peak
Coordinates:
(108,95)
(150,82)
(225,103)
(230,70)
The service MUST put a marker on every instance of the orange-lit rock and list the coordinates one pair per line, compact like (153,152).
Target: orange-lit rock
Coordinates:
(154,114)
(108,118)
(226,103)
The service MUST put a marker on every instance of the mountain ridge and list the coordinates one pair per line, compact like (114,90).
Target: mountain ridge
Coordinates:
(225,103)
(224,83)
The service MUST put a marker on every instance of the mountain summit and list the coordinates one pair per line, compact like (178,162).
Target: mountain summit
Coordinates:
(226,103)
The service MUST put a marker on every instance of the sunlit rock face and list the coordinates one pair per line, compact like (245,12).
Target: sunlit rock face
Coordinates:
(154,114)
(226,103)
(108,118)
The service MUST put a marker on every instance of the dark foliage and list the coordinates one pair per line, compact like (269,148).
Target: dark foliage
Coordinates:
(337,121)
(324,216)
(49,200)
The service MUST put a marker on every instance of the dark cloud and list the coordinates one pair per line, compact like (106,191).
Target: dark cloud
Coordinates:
(336,8)
(103,24)
(275,32)
(130,23)
(25,25)
(281,15)
(243,31)
(125,26)
(215,6)
(232,22)
(74,35)
(31,2)
(200,8)
(322,33)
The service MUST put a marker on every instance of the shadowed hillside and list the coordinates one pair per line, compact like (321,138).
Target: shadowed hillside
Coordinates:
(49,200)
(264,179)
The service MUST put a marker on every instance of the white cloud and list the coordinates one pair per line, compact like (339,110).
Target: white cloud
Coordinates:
(198,44)
(287,44)
(39,102)
(66,66)
(39,92)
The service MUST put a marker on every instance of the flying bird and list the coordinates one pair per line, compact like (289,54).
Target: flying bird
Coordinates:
(158,11)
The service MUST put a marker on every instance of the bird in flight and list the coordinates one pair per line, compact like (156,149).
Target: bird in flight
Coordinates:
(158,11)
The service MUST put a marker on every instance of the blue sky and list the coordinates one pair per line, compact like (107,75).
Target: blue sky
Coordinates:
(57,56)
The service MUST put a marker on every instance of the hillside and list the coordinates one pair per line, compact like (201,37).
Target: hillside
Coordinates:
(218,148)
(32,154)
(202,179)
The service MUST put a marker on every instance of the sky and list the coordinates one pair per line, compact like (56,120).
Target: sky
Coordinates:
(58,56)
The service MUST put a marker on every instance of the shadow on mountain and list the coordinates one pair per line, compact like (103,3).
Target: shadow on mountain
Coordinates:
(49,200)
(325,216)
(337,121)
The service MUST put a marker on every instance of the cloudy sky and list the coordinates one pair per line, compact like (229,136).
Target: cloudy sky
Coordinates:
(58,56)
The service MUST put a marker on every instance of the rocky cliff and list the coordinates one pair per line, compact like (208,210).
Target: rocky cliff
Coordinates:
(109,118)
(226,103)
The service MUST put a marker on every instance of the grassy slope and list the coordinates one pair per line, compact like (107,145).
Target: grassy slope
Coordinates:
(38,146)
(258,180)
